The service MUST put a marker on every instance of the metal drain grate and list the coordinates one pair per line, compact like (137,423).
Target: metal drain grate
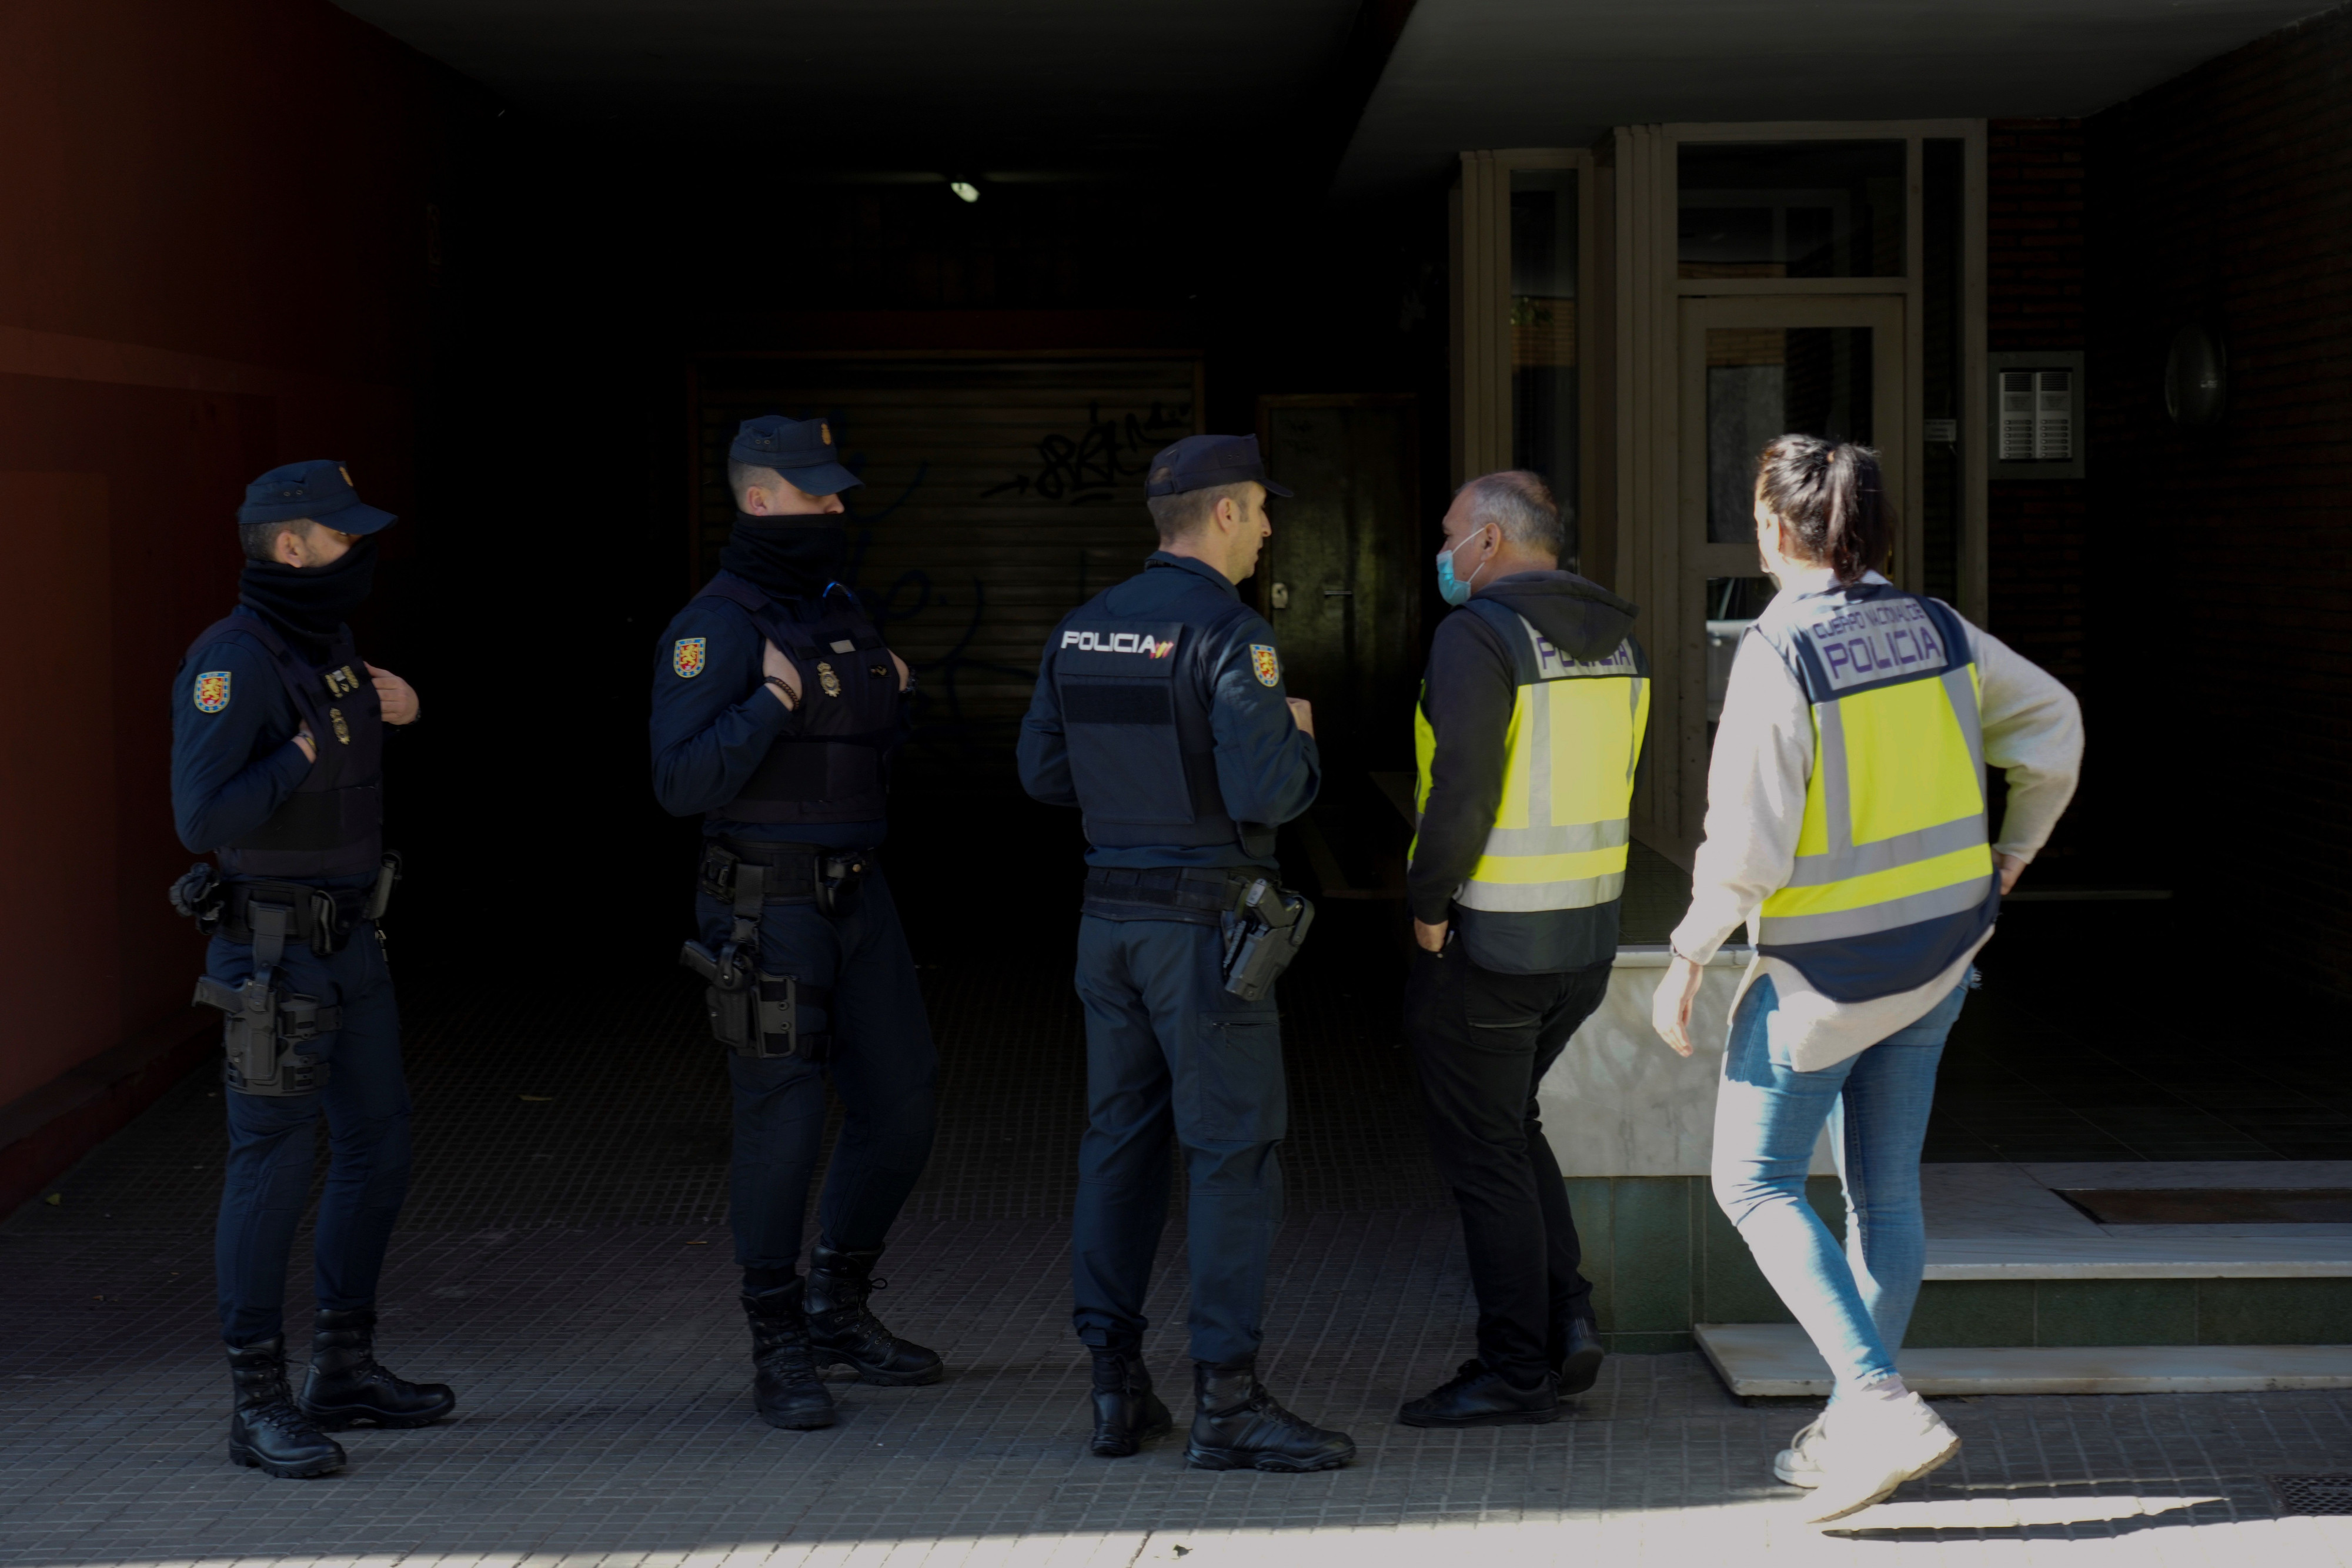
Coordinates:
(2312,1494)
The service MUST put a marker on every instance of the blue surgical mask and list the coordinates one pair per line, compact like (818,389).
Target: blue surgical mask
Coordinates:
(1450,588)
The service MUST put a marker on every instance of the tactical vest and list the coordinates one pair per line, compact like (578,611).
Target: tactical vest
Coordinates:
(332,824)
(1135,698)
(1560,832)
(835,765)
(1893,877)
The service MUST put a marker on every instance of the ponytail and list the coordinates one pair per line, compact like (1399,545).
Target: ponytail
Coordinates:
(1833,497)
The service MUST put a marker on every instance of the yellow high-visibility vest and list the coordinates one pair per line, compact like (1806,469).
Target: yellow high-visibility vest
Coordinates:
(1894,875)
(1559,837)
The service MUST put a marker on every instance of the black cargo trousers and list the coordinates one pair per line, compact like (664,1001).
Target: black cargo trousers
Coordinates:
(1481,1042)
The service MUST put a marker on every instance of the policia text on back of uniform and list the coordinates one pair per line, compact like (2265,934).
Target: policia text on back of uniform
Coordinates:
(277,740)
(776,710)
(1160,713)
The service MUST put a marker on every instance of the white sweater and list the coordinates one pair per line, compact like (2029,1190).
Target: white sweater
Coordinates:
(1756,807)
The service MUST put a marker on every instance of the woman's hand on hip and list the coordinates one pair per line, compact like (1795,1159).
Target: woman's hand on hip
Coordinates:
(2009,868)
(1670,1009)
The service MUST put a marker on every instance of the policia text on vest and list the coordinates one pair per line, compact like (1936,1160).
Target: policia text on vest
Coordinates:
(1160,715)
(776,708)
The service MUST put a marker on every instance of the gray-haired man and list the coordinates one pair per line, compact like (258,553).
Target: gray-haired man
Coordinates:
(1529,730)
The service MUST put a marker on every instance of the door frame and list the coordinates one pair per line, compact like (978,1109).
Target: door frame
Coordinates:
(1647,372)
(1883,312)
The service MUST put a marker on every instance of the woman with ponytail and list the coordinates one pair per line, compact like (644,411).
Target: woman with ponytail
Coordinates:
(1846,828)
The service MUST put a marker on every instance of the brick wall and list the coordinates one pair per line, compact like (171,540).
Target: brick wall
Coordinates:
(2220,622)
(2034,277)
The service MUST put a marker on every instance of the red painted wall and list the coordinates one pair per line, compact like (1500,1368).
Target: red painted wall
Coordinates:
(216,263)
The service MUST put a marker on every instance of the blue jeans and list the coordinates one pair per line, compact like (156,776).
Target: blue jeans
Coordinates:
(1768,1116)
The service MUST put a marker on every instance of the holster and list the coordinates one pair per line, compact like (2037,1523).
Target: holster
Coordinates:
(754,1014)
(1263,937)
(266,1028)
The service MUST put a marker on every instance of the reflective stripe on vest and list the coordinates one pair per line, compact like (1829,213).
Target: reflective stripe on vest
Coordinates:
(1895,826)
(1560,832)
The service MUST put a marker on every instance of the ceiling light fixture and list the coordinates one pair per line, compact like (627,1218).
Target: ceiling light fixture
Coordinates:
(965,190)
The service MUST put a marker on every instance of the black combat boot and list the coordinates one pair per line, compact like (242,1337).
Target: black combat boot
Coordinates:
(1577,1356)
(787,1390)
(1477,1396)
(844,1332)
(267,1430)
(347,1386)
(1127,1412)
(1236,1426)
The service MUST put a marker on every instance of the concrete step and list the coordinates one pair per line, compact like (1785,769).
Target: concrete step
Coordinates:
(1777,1359)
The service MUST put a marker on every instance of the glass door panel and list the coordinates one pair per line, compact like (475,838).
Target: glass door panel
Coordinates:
(1763,383)
(1754,368)
(1545,420)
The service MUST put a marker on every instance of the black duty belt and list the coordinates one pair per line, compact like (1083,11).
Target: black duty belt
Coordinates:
(319,917)
(1195,895)
(794,873)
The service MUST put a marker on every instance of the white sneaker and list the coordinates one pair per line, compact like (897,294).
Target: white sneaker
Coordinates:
(1869,1448)
(1800,1464)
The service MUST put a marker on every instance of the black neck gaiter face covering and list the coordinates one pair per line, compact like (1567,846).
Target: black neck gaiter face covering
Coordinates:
(309,604)
(791,558)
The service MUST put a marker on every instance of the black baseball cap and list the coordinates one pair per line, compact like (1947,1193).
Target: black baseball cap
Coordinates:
(1202,462)
(319,490)
(802,450)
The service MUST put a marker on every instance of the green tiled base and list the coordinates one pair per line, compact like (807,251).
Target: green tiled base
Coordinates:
(1662,1256)
(1958,1313)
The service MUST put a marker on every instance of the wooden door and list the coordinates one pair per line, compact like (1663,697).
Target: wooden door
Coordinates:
(1338,579)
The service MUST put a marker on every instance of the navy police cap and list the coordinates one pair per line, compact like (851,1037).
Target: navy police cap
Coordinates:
(1202,462)
(319,490)
(802,450)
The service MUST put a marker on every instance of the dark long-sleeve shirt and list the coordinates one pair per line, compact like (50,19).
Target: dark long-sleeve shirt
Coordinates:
(232,767)
(711,728)
(1268,769)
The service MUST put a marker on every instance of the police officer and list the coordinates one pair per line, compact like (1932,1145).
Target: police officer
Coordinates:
(776,710)
(277,730)
(1529,728)
(1159,713)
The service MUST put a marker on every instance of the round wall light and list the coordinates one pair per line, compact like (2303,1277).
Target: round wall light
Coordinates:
(965,191)
(2196,377)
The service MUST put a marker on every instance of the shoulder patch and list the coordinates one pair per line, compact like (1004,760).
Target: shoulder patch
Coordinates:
(211,691)
(686,657)
(1267,667)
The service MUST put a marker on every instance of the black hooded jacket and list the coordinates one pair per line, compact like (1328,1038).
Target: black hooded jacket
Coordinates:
(1467,693)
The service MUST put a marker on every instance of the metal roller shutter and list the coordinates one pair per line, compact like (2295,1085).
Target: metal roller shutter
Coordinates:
(999,493)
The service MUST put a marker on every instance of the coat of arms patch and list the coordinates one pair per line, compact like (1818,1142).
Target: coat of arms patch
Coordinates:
(1268,668)
(686,657)
(211,691)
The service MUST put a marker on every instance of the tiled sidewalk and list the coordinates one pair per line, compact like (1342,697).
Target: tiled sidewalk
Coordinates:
(605,1419)
(566,1264)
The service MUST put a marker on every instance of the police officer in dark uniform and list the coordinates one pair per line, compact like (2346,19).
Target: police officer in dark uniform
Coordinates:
(277,729)
(1159,713)
(776,707)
